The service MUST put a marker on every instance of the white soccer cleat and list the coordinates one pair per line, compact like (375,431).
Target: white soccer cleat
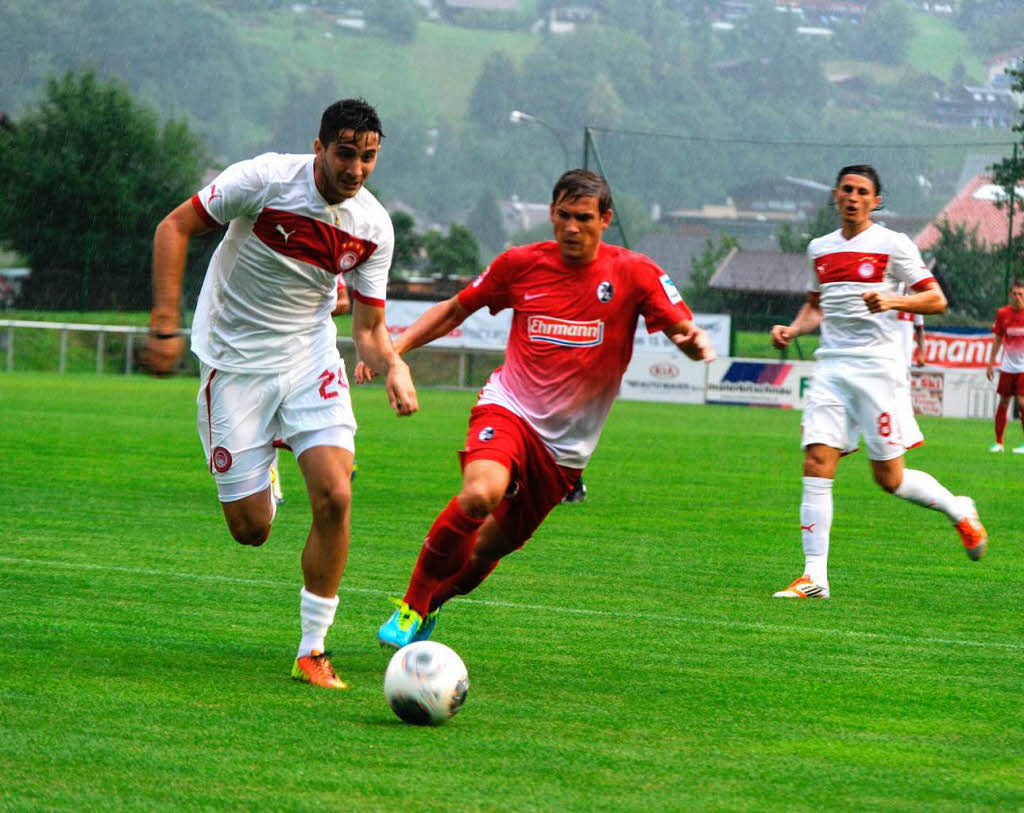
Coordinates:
(803,587)
(972,532)
(996,447)
(1018,449)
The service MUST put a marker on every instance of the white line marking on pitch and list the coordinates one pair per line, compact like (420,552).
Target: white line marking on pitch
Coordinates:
(743,625)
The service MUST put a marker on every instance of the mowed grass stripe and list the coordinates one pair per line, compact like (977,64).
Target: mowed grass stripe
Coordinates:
(544,608)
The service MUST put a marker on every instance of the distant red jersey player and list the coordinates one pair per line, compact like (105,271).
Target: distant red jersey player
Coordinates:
(1009,332)
(575,302)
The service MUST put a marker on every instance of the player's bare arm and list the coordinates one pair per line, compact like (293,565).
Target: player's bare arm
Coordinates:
(373,344)
(929,299)
(808,319)
(691,340)
(437,321)
(170,248)
(344,303)
(990,370)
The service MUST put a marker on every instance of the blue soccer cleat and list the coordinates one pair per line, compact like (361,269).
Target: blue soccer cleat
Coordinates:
(401,628)
(427,627)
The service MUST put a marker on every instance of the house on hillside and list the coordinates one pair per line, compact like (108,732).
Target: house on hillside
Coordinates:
(975,106)
(483,5)
(518,215)
(827,13)
(998,64)
(974,207)
(674,253)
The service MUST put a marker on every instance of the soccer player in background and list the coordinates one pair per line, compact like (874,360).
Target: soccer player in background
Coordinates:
(860,380)
(268,347)
(575,304)
(1009,335)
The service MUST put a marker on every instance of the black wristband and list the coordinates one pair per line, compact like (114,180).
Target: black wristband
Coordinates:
(163,335)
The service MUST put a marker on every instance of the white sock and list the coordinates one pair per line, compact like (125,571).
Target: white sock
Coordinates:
(921,488)
(317,616)
(815,526)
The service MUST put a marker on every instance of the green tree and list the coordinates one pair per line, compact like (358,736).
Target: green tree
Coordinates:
(485,223)
(396,18)
(408,244)
(495,93)
(702,268)
(84,179)
(886,33)
(457,255)
(1009,174)
(970,273)
(795,240)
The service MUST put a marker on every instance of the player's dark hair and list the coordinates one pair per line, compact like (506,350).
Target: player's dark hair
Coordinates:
(582,183)
(357,115)
(1018,283)
(864,170)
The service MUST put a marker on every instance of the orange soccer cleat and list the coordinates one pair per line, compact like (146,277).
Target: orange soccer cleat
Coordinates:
(316,668)
(803,587)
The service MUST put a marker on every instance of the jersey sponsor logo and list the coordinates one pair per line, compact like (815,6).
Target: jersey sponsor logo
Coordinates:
(670,289)
(851,266)
(564,331)
(221,459)
(311,241)
(605,291)
(486,434)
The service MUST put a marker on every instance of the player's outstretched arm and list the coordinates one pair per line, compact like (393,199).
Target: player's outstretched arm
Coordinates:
(930,299)
(170,248)
(437,321)
(374,347)
(692,340)
(807,319)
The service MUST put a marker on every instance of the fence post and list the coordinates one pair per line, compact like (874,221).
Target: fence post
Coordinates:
(462,369)
(10,349)
(100,335)
(128,348)
(63,362)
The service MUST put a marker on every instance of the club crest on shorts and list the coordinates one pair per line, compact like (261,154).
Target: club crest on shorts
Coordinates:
(486,434)
(605,291)
(221,459)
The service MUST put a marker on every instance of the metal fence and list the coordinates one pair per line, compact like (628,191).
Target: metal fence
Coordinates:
(115,349)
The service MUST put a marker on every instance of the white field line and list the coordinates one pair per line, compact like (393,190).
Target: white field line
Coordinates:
(677,619)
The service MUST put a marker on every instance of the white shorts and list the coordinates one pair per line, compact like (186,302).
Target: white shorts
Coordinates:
(241,414)
(853,397)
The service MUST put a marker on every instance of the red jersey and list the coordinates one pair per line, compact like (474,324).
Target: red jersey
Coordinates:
(571,337)
(1009,325)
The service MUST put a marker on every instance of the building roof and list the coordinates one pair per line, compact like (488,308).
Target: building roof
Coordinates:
(771,272)
(673,252)
(974,207)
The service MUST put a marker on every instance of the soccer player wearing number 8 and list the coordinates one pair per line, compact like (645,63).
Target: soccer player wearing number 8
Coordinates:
(268,346)
(860,380)
(575,302)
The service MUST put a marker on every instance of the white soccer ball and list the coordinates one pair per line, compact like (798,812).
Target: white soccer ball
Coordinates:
(426,683)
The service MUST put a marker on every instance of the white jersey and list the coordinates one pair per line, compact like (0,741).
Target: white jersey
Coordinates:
(877,259)
(271,285)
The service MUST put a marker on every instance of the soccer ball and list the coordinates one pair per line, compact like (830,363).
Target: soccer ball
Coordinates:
(426,683)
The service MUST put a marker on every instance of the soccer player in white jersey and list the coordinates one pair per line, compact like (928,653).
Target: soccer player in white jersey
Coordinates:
(575,305)
(860,379)
(268,346)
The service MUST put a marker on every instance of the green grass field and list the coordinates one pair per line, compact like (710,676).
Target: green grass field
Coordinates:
(628,659)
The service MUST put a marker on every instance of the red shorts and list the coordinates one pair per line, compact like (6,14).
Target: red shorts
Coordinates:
(537,484)
(1010,384)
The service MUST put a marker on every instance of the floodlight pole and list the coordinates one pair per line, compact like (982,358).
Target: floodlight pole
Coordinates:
(517,116)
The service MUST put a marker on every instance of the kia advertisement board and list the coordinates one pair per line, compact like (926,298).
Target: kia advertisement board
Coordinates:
(666,376)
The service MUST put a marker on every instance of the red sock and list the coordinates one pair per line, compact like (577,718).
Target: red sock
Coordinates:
(462,583)
(446,549)
(1001,411)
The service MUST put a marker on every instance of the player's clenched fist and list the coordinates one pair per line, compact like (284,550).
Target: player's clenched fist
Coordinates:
(161,355)
(781,336)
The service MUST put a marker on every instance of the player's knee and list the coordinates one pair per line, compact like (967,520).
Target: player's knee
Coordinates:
(478,499)
(331,505)
(250,533)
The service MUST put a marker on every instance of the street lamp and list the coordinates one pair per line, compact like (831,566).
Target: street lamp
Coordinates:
(518,116)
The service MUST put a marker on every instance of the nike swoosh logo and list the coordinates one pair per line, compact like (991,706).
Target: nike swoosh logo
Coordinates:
(528,297)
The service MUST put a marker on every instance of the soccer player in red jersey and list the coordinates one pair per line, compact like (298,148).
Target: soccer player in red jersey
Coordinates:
(860,384)
(263,333)
(1009,332)
(575,301)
